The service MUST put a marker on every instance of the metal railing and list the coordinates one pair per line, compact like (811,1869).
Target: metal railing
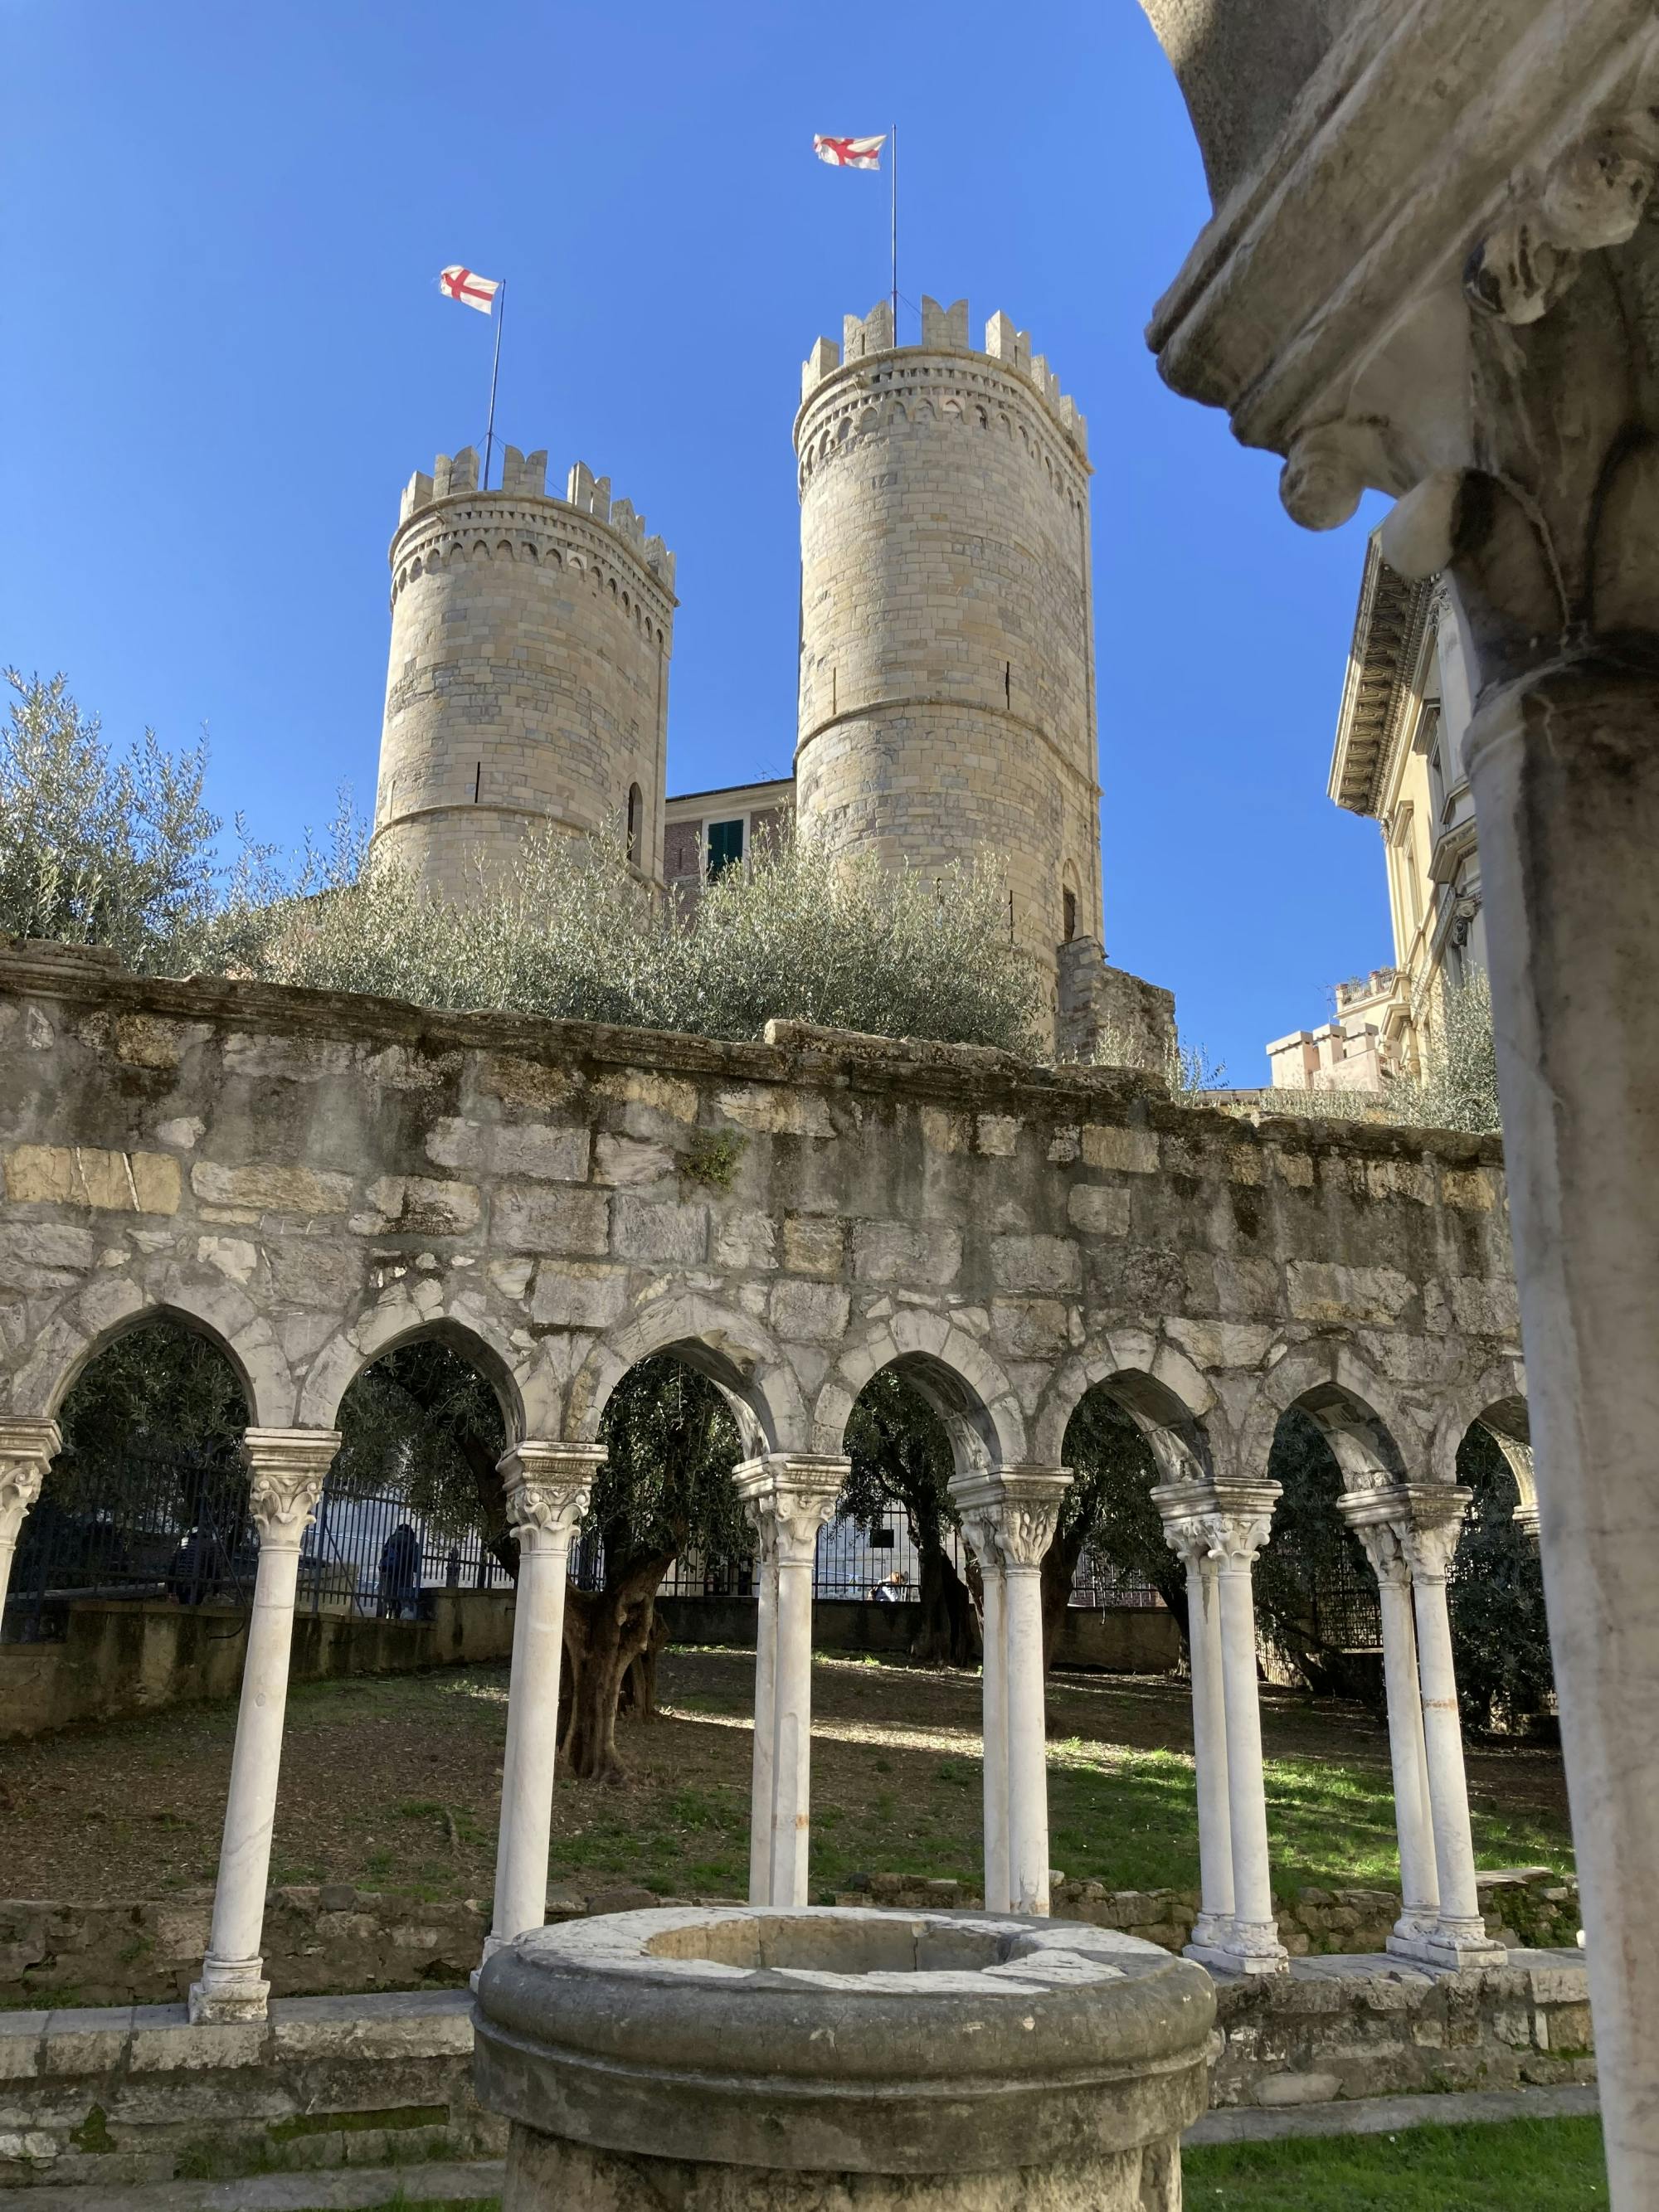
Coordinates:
(158,1524)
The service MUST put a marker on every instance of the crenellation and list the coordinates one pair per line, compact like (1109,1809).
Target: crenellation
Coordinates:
(453,473)
(944,329)
(524,474)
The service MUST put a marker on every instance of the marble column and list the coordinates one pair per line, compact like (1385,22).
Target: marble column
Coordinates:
(27,1449)
(792,1495)
(1179,1503)
(548,1486)
(980,1531)
(1427,1531)
(1375,1517)
(1013,1515)
(286,1468)
(1233,1527)
(750,1479)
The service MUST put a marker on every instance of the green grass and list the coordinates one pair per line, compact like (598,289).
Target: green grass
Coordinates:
(1517,2166)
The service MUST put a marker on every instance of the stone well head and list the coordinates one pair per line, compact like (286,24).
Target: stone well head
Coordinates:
(838,2042)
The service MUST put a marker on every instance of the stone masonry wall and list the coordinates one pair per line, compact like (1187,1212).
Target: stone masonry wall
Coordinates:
(311,1178)
(335,1938)
(947,652)
(528,675)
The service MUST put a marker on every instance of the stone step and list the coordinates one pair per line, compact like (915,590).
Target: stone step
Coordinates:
(351,2189)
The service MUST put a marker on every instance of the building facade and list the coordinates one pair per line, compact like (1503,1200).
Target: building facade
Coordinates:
(1398,760)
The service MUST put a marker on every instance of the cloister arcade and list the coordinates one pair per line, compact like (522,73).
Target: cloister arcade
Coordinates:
(1216,1504)
(314,1182)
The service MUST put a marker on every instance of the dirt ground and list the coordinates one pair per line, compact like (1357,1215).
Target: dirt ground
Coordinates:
(393,1784)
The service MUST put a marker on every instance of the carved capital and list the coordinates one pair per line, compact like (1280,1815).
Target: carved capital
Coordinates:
(1010,1517)
(787,1496)
(1409,1529)
(1430,1536)
(548,1488)
(1226,1521)
(26,1450)
(287,1469)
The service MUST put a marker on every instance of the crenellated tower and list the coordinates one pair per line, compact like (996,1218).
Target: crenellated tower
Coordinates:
(528,681)
(947,681)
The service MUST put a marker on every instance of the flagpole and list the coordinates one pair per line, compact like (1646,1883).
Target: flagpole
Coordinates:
(495,371)
(892,179)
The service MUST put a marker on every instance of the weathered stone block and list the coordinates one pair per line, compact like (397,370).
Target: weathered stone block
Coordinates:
(906,1252)
(1036,1263)
(80,1175)
(642,1230)
(573,1222)
(811,1313)
(1130,1152)
(1098,1210)
(271,1187)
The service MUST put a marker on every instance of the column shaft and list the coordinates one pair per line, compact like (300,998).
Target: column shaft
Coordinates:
(994,1693)
(287,1467)
(1419,1885)
(1566,775)
(792,1733)
(1459,1919)
(1028,1744)
(548,1488)
(1256,1934)
(1215,1847)
(766,1676)
(521,1849)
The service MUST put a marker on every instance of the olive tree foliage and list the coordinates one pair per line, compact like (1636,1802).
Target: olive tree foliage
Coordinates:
(902,1462)
(1457,1088)
(1316,1598)
(1500,1637)
(671,1443)
(96,848)
(422,1425)
(118,849)
(1108,1514)
(572,935)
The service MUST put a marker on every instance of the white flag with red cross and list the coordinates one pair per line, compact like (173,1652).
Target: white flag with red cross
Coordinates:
(850,153)
(470,288)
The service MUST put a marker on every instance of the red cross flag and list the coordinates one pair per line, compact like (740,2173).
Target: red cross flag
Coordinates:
(472,291)
(850,153)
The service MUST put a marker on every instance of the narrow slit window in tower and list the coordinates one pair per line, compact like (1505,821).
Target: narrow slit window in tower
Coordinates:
(636,822)
(1067,914)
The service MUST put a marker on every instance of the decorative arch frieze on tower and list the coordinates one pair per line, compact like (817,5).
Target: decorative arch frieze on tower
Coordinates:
(528,679)
(947,682)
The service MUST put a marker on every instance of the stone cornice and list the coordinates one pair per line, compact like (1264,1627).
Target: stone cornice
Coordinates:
(1387,631)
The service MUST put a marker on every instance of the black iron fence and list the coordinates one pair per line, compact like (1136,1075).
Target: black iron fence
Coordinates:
(158,1524)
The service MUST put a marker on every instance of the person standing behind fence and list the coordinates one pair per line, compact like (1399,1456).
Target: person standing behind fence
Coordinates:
(400,1574)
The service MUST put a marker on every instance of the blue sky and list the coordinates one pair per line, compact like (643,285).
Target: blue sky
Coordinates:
(229,354)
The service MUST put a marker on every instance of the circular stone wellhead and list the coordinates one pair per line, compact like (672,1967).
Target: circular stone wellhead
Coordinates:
(842,2042)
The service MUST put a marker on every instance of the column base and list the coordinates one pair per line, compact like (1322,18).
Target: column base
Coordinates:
(1447,1947)
(1241,1947)
(1210,1931)
(229,1989)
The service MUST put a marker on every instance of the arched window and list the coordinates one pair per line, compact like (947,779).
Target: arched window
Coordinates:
(1067,914)
(636,822)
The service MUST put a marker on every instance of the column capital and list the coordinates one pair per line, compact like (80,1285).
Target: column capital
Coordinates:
(1010,1514)
(27,1449)
(287,1469)
(1408,1527)
(548,1488)
(787,1496)
(1227,1521)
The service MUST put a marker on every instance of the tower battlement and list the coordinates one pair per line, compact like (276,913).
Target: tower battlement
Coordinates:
(524,476)
(944,330)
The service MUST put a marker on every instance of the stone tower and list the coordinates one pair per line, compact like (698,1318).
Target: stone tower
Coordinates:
(947,683)
(528,682)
